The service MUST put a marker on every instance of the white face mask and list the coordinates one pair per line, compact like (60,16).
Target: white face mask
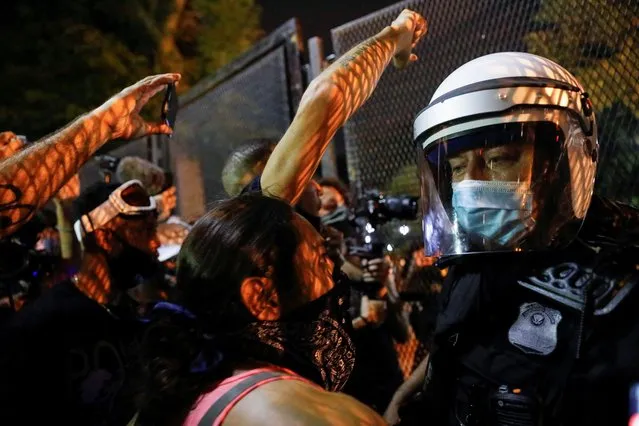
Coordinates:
(500,212)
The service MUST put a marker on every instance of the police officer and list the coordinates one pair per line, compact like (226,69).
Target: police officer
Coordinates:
(538,323)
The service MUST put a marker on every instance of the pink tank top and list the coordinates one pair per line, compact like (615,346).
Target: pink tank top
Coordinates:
(208,400)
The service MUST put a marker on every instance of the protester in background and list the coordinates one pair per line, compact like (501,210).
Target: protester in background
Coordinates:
(376,309)
(379,322)
(68,353)
(171,230)
(245,165)
(335,209)
(245,162)
(156,181)
(137,168)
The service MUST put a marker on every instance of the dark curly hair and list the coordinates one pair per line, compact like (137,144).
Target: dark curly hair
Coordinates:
(249,235)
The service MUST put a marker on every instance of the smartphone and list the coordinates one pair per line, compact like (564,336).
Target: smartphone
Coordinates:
(170,106)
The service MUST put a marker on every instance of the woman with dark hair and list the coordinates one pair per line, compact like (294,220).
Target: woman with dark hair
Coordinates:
(257,292)
(261,329)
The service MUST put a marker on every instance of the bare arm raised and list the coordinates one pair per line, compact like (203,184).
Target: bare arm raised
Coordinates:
(33,175)
(331,99)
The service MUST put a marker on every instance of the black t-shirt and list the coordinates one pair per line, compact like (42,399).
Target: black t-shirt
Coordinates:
(65,359)
(256,186)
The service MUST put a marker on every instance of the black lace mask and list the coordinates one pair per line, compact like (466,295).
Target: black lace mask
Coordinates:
(314,341)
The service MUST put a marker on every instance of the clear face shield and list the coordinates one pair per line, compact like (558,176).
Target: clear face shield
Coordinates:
(518,182)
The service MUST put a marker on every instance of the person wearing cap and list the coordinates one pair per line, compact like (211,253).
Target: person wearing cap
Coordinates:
(538,320)
(70,352)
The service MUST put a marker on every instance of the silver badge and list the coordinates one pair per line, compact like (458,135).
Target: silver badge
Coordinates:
(535,331)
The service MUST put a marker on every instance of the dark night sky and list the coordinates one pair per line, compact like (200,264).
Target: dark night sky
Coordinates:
(317,17)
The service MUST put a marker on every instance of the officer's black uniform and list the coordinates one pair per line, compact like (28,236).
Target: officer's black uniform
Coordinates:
(549,338)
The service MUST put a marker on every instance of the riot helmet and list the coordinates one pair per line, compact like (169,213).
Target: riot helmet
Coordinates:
(508,152)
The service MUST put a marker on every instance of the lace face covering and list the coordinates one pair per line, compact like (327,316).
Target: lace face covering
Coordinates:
(313,341)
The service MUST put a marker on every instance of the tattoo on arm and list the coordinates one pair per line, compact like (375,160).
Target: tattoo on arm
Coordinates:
(12,195)
(333,98)
(32,176)
(356,74)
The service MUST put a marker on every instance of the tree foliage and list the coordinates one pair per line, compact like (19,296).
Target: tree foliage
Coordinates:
(63,58)
(598,41)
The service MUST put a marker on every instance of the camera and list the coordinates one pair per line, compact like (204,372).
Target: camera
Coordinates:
(375,209)
(380,209)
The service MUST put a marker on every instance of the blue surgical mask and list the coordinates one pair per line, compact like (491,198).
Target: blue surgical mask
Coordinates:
(498,212)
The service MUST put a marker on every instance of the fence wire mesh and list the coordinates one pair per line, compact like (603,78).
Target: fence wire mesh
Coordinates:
(254,99)
(597,40)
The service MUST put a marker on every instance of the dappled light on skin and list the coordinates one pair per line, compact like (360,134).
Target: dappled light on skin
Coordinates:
(93,279)
(421,260)
(297,402)
(166,202)
(261,299)
(139,232)
(312,263)
(32,176)
(171,233)
(331,99)
(9,144)
(19,300)
(70,190)
(313,269)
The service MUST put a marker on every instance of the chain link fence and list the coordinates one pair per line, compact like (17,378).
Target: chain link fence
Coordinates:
(597,40)
(254,97)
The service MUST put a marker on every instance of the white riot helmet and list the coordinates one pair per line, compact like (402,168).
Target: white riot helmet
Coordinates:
(509,150)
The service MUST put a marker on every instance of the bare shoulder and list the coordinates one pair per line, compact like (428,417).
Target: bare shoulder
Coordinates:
(293,402)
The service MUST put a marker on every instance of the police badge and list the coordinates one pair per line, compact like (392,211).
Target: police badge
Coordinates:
(535,331)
